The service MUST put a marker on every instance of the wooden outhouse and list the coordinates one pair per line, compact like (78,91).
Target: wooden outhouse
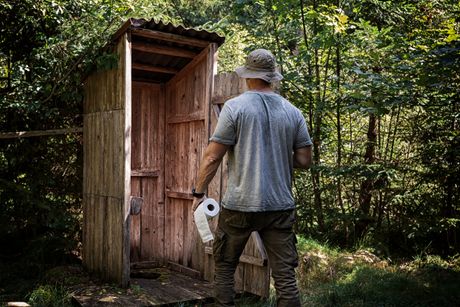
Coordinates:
(146,123)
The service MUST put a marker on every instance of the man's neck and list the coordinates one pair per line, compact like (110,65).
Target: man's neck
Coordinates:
(258,85)
(261,89)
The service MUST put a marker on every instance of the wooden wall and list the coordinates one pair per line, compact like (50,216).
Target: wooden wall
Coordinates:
(106,186)
(158,160)
(147,171)
(188,97)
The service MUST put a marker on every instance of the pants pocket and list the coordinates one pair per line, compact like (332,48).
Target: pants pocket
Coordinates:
(285,220)
(235,219)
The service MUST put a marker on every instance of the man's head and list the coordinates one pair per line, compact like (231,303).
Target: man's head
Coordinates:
(260,64)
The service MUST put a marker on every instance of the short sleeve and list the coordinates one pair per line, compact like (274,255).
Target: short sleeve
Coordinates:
(225,132)
(302,136)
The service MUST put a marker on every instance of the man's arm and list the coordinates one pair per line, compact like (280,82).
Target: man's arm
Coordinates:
(210,162)
(302,157)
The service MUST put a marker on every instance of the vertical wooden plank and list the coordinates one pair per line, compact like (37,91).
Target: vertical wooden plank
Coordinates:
(167,148)
(106,169)
(125,103)
(136,127)
(161,182)
(146,222)
(149,104)
(211,70)
(239,278)
(135,231)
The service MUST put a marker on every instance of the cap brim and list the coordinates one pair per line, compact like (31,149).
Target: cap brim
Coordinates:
(243,72)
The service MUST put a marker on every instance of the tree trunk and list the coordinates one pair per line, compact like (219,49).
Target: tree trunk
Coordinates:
(309,69)
(451,181)
(365,193)
(276,35)
(339,125)
(317,133)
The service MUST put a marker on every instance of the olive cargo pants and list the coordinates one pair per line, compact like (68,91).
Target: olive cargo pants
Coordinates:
(275,229)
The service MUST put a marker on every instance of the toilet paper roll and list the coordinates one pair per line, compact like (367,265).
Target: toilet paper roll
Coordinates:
(208,209)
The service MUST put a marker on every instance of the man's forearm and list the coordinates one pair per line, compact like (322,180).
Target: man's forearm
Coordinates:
(212,157)
(208,169)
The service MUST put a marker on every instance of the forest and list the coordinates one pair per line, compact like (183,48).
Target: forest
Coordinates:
(378,82)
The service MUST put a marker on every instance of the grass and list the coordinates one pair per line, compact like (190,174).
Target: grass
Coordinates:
(328,277)
(50,296)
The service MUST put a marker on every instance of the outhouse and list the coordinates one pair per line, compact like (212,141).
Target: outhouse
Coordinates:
(146,123)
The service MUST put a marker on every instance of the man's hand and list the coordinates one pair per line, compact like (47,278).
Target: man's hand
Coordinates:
(197,202)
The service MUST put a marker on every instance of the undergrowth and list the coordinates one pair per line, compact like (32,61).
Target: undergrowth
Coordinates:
(326,276)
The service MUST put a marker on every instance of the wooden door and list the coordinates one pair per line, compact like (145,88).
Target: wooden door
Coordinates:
(147,171)
(187,129)
(253,273)
(106,171)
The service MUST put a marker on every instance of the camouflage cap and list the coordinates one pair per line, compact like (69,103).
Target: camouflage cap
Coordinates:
(260,64)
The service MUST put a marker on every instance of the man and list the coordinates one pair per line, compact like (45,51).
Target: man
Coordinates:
(265,137)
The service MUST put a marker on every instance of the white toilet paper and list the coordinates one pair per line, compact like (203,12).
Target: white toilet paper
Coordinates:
(208,209)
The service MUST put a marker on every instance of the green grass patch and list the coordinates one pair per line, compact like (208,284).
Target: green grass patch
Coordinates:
(328,277)
(50,296)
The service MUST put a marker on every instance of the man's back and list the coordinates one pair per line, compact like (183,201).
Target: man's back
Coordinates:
(263,129)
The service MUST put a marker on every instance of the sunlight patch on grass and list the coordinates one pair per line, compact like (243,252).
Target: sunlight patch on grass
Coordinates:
(331,278)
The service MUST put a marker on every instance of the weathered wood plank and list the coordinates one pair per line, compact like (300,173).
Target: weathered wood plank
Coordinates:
(148,219)
(210,71)
(170,37)
(179,195)
(151,68)
(220,100)
(164,50)
(184,269)
(160,162)
(135,232)
(107,124)
(25,134)
(189,67)
(243,258)
(148,145)
(145,173)
(185,118)
(145,264)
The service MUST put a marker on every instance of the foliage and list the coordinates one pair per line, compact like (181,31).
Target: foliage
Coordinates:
(49,296)
(46,48)
(378,83)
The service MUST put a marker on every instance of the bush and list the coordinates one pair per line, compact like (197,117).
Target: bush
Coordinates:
(50,296)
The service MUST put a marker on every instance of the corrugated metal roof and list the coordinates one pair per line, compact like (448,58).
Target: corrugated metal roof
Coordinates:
(151,24)
(161,49)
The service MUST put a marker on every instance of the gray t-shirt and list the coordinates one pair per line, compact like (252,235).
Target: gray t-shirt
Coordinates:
(263,130)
